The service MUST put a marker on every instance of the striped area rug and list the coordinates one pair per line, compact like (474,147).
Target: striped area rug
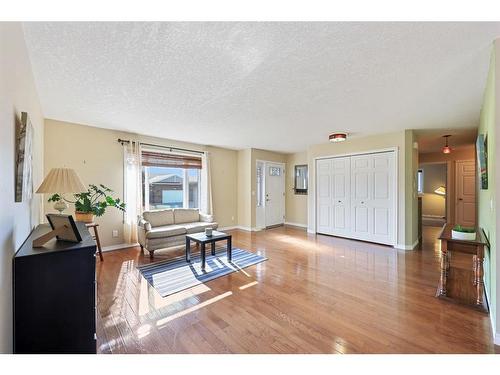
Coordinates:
(172,276)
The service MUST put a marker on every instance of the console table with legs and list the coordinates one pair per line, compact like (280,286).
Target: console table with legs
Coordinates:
(202,240)
(461,278)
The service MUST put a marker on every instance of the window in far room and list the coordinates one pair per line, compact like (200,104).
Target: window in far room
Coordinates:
(420,181)
(170,180)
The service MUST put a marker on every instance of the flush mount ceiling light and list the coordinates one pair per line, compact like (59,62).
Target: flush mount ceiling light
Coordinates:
(446,148)
(337,137)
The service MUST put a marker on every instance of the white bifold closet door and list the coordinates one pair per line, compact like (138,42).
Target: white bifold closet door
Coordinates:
(356,197)
(334,184)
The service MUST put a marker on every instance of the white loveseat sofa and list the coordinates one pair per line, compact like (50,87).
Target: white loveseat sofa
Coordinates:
(160,229)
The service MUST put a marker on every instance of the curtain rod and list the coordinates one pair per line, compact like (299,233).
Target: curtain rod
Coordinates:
(122,141)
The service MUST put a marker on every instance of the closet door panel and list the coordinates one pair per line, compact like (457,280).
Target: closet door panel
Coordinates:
(324,195)
(341,172)
(361,191)
(383,198)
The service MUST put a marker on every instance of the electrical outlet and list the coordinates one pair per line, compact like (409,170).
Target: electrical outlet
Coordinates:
(232,218)
(115,233)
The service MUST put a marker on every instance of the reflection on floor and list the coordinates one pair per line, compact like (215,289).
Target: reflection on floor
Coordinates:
(315,294)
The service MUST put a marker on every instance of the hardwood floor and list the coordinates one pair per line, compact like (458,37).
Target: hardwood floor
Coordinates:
(315,294)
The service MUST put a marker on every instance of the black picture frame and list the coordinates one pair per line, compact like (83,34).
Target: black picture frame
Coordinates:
(59,220)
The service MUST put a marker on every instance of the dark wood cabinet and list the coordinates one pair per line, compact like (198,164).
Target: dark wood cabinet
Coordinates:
(54,295)
(462,269)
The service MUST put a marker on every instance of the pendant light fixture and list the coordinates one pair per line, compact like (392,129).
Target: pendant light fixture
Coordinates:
(446,148)
(337,137)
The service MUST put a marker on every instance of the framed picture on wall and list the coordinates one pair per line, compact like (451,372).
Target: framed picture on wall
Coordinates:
(24,159)
(482,160)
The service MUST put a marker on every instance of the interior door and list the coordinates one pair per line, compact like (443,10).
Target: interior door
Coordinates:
(341,196)
(465,191)
(383,198)
(324,195)
(333,196)
(275,194)
(373,197)
(361,194)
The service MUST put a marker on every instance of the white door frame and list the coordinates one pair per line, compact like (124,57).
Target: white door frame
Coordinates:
(449,184)
(264,175)
(397,193)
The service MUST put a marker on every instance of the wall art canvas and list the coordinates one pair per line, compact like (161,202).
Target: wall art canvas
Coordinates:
(24,159)
(482,160)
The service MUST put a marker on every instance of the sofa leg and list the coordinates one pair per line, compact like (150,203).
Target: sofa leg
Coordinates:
(142,249)
(151,254)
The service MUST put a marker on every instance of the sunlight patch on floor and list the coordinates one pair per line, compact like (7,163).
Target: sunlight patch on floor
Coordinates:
(189,310)
(248,285)
(150,300)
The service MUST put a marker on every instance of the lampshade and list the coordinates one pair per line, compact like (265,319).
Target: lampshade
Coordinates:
(62,180)
(440,190)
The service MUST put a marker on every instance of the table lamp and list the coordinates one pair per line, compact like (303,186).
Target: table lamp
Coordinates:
(60,181)
(440,190)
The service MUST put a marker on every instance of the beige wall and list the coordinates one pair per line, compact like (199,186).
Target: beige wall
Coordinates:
(410,217)
(463,153)
(247,183)
(296,204)
(407,202)
(18,94)
(244,188)
(98,158)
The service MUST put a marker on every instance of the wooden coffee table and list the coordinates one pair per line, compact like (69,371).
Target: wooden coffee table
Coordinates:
(202,240)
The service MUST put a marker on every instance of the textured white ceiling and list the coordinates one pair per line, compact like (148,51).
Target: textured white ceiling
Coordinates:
(276,86)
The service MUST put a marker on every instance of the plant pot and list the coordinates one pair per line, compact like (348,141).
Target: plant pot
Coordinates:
(85,217)
(463,235)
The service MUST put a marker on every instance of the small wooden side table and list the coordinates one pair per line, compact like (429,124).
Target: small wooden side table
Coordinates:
(462,269)
(96,238)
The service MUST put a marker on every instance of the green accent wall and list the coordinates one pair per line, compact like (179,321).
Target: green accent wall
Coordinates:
(486,198)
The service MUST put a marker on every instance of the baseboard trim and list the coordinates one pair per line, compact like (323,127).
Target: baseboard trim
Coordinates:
(311,231)
(228,228)
(495,335)
(240,227)
(119,246)
(296,224)
(406,247)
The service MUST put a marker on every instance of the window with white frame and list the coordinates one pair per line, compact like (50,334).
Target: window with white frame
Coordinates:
(170,180)
(420,181)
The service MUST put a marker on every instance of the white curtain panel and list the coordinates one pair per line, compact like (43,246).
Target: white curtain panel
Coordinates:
(206,184)
(132,190)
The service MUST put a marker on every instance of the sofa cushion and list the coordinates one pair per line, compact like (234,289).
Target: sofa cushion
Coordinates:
(186,215)
(158,218)
(198,227)
(166,231)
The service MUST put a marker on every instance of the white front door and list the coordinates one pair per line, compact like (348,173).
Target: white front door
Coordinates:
(465,192)
(275,194)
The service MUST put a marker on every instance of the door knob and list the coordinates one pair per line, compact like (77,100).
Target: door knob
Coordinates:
(460,199)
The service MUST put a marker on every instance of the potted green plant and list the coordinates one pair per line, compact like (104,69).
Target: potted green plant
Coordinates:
(92,203)
(463,233)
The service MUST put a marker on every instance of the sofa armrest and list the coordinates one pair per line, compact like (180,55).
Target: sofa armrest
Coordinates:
(206,218)
(146,225)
